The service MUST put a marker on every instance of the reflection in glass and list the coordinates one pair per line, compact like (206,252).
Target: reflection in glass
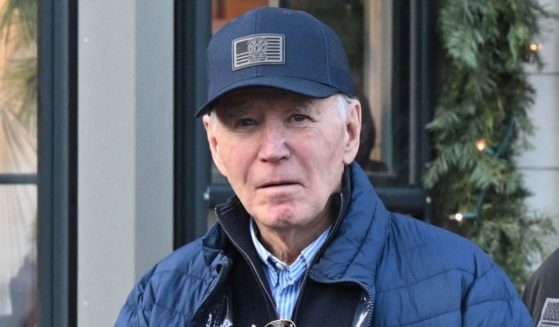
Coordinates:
(18,149)
(18,211)
(18,86)
(224,11)
(18,156)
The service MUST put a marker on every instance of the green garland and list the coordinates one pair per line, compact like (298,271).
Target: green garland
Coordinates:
(480,126)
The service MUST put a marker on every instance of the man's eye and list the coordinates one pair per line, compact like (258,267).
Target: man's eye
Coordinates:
(245,122)
(299,117)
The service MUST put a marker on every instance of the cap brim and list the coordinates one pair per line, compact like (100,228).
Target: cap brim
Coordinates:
(296,85)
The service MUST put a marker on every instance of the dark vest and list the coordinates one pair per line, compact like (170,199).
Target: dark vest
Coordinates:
(318,304)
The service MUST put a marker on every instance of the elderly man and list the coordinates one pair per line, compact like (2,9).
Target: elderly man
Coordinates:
(306,241)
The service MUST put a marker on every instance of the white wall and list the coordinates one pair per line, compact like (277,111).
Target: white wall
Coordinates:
(540,165)
(125,149)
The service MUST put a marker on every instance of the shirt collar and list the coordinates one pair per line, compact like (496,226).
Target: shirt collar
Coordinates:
(305,257)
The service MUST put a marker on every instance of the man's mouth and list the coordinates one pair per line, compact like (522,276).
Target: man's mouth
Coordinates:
(277,184)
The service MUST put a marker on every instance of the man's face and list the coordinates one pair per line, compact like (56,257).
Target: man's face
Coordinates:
(283,153)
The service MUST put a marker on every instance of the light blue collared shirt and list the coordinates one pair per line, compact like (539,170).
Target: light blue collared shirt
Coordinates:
(285,280)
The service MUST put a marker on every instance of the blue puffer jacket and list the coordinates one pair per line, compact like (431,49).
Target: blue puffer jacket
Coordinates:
(413,273)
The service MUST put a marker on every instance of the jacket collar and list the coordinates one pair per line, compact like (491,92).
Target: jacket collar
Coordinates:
(356,247)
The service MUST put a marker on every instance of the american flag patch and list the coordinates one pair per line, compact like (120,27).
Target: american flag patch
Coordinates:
(258,49)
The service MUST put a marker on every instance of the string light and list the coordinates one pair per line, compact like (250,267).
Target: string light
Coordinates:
(456,216)
(481,145)
(534,46)
(460,216)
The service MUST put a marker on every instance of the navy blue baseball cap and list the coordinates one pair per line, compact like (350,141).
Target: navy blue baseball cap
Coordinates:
(280,48)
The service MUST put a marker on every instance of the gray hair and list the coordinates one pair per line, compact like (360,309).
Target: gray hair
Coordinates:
(342,104)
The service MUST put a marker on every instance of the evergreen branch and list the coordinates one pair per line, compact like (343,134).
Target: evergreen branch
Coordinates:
(485,98)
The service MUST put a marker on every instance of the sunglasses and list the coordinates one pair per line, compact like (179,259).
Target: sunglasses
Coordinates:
(280,323)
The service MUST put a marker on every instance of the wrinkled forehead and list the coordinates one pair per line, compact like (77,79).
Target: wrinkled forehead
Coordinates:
(247,98)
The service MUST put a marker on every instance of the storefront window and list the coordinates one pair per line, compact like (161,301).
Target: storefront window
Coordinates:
(18,162)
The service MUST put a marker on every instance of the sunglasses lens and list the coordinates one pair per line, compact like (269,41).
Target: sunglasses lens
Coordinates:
(280,323)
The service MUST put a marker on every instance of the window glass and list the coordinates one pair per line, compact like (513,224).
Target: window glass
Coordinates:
(18,86)
(18,262)
(18,162)
(18,143)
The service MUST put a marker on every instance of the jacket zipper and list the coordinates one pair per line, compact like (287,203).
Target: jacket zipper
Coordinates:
(253,268)
(370,302)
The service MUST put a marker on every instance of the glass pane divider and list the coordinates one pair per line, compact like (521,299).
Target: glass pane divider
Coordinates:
(18,178)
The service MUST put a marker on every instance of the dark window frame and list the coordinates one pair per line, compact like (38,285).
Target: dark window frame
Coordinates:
(15,179)
(191,154)
(57,163)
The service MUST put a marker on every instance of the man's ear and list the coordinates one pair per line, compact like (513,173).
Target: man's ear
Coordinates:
(209,124)
(353,131)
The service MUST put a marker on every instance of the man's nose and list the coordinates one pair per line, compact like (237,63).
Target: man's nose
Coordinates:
(273,144)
